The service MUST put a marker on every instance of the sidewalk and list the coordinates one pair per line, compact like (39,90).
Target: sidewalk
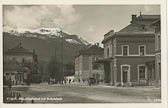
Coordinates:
(104,85)
(81,84)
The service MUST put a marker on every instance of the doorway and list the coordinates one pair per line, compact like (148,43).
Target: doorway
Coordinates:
(125,74)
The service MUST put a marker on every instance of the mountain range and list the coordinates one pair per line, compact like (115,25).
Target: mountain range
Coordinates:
(47,42)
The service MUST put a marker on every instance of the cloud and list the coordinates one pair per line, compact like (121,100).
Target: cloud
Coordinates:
(152,9)
(91,28)
(147,8)
(31,17)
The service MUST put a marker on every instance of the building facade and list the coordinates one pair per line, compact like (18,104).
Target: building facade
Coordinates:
(85,65)
(20,65)
(130,53)
(156,24)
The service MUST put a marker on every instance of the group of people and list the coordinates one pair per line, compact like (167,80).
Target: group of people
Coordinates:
(62,82)
(90,81)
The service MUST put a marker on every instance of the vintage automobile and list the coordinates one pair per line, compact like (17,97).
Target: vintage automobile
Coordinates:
(91,81)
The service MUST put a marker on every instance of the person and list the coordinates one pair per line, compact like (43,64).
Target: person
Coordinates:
(65,81)
(89,82)
(83,80)
(9,83)
(69,81)
(32,101)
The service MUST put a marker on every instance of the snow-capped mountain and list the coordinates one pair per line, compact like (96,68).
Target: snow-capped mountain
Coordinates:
(46,41)
(43,31)
(47,33)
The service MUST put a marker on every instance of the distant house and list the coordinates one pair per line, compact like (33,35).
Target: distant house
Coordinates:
(20,64)
(85,65)
(156,24)
(130,53)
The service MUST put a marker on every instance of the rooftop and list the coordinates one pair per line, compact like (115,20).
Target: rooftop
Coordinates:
(18,49)
(92,50)
(139,26)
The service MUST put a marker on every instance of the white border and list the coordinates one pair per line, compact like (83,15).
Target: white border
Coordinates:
(121,2)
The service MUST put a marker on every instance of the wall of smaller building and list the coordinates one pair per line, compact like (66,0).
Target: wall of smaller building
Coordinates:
(84,67)
(133,62)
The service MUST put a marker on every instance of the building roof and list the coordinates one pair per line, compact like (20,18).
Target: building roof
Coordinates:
(136,28)
(139,26)
(144,17)
(104,60)
(155,22)
(18,49)
(91,50)
(15,68)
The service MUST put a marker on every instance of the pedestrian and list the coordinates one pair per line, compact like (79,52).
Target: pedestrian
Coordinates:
(83,80)
(13,82)
(62,82)
(32,101)
(69,81)
(9,84)
(65,82)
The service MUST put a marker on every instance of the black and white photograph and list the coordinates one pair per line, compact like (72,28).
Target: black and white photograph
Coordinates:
(63,53)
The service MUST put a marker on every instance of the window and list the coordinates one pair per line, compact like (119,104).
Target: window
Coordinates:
(159,71)
(141,72)
(125,50)
(159,43)
(142,50)
(125,68)
(23,60)
(107,52)
(94,58)
(13,58)
(95,66)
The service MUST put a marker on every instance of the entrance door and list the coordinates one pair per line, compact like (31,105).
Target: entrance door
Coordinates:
(107,72)
(125,76)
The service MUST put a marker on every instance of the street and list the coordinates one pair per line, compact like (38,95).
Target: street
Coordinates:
(82,93)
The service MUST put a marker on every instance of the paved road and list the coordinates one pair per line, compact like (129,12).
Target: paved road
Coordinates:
(75,93)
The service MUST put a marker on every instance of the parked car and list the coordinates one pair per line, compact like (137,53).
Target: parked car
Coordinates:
(91,81)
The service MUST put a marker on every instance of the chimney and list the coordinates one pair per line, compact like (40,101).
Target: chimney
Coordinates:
(98,44)
(133,18)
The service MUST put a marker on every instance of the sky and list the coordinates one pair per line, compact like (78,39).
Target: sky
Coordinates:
(90,22)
